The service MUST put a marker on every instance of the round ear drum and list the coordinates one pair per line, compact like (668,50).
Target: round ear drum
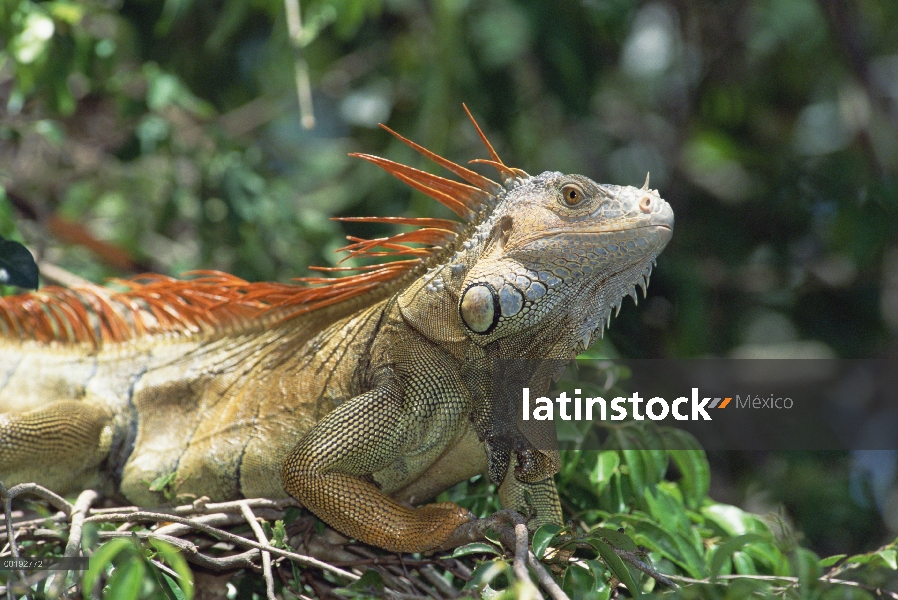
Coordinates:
(479,308)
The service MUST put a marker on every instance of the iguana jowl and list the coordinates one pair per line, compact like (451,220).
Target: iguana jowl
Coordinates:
(361,395)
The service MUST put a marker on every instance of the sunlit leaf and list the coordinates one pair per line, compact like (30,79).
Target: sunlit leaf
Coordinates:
(723,552)
(606,466)
(176,561)
(475,548)
(102,558)
(543,536)
(616,565)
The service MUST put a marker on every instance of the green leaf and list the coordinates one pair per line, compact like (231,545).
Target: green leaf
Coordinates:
(733,520)
(619,540)
(692,462)
(831,560)
(178,563)
(636,466)
(667,509)
(127,579)
(606,467)
(743,564)
(493,536)
(615,565)
(292,514)
(101,559)
(806,565)
(370,584)
(578,582)
(768,557)
(17,266)
(542,537)
(475,548)
(890,557)
(601,590)
(486,572)
(724,551)
(279,535)
(670,545)
(174,588)
(297,577)
(161,483)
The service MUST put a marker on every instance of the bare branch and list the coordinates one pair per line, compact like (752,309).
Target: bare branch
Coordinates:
(41,492)
(224,535)
(300,67)
(73,546)
(10,534)
(545,578)
(266,556)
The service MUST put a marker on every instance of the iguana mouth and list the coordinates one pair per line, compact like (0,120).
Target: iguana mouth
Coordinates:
(567,233)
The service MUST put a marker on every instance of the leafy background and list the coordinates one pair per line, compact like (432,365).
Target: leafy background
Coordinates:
(165,135)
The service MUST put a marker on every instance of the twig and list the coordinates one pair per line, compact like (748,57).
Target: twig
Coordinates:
(59,276)
(520,551)
(191,551)
(214,519)
(73,546)
(396,573)
(631,557)
(233,506)
(266,556)
(429,573)
(224,535)
(58,517)
(186,547)
(10,534)
(300,67)
(42,492)
(545,578)
(227,563)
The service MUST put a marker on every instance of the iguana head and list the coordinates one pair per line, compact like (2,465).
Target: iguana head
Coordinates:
(560,251)
(542,261)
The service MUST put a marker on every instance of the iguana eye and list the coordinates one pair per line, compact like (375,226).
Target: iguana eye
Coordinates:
(572,194)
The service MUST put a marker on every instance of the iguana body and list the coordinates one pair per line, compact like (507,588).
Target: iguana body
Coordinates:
(361,396)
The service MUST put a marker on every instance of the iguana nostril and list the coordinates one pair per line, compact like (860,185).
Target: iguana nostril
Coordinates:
(645,205)
(478,308)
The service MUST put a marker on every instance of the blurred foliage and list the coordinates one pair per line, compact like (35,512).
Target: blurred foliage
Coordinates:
(167,133)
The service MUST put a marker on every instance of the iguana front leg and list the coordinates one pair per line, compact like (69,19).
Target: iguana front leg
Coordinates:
(59,445)
(330,470)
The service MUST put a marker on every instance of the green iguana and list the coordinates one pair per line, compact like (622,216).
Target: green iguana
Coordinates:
(362,395)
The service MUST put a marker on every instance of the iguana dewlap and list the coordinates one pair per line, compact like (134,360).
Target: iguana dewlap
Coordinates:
(362,396)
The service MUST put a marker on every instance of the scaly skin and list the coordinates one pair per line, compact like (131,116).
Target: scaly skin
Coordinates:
(362,407)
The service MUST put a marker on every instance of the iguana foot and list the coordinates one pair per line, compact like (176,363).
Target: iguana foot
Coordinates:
(501,522)
(429,528)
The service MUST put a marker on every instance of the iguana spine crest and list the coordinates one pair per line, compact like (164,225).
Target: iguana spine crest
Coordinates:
(211,300)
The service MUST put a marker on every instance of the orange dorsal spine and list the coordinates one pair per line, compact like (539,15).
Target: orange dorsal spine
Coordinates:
(208,300)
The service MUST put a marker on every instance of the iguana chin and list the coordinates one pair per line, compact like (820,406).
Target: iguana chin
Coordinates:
(362,395)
